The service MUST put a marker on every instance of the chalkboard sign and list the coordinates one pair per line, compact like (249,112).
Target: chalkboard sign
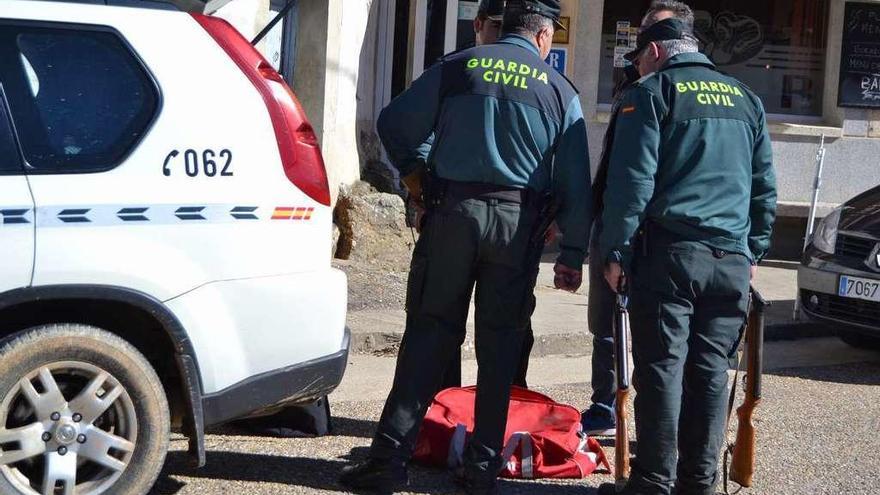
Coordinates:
(860,57)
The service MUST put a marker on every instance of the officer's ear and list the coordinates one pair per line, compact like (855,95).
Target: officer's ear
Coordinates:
(655,51)
(545,41)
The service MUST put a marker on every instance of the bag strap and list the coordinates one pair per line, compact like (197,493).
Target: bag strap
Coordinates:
(520,439)
(455,457)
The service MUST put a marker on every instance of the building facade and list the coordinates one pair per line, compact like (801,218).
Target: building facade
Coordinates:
(350,57)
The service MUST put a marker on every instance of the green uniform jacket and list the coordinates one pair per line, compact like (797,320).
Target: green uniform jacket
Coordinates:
(499,115)
(693,155)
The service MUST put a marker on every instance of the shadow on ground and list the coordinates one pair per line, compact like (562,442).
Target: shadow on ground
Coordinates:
(322,474)
(867,373)
(341,426)
(351,427)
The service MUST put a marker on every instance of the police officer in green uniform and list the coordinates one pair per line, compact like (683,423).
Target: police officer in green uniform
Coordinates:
(689,207)
(487,29)
(509,130)
(599,418)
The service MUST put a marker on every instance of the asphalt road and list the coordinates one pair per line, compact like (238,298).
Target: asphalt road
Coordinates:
(817,432)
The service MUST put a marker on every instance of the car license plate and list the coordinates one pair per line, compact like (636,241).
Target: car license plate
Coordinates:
(859,288)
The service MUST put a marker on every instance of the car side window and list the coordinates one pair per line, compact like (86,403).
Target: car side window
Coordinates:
(80,99)
(10,161)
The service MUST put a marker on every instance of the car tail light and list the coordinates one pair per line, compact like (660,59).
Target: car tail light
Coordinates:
(297,143)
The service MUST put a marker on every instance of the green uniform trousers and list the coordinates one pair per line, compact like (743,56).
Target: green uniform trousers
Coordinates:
(688,306)
(469,245)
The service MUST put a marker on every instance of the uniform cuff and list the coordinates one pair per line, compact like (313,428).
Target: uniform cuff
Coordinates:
(572,258)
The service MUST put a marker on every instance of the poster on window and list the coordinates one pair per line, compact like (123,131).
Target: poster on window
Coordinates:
(860,57)
(467,11)
(622,43)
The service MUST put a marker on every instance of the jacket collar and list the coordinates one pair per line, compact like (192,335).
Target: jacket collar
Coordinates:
(521,41)
(688,59)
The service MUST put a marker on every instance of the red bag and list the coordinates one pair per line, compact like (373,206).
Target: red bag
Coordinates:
(543,438)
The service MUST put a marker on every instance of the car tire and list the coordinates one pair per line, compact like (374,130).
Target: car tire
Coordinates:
(101,408)
(861,341)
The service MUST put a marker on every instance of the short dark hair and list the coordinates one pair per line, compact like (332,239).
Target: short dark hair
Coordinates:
(520,22)
(680,10)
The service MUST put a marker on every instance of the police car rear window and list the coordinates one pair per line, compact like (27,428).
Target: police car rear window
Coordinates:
(79,98)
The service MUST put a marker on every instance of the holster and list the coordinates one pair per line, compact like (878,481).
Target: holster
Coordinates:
(548,208)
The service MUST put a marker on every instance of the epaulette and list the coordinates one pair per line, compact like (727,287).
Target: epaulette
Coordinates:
(644,78)
(456,52)
(573,85)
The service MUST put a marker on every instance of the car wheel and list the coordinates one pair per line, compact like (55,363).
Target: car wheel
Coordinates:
(861,341)
(82,412)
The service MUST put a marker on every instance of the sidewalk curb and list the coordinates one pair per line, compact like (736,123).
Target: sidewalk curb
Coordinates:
(568,344)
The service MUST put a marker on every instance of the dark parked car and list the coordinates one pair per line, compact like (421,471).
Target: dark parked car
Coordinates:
(839,277)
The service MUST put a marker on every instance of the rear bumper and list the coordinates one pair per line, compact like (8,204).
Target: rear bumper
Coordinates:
(295,384)
(817,287)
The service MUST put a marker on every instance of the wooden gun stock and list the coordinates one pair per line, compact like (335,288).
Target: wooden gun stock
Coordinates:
(742,467)
(621,439)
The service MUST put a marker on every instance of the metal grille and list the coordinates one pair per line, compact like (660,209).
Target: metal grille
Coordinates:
(854,247)
(845,309)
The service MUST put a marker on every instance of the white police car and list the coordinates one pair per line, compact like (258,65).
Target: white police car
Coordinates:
(165,237)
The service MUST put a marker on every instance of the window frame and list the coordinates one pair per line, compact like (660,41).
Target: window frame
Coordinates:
(6,114)
(150,78)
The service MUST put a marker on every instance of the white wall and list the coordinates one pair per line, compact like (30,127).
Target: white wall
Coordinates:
(329,42)
(248,16)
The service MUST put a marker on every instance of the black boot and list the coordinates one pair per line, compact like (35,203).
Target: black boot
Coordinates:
(611,489)
(380,475)
(475,486)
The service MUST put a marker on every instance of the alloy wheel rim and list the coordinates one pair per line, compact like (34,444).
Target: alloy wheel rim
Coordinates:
(66,427)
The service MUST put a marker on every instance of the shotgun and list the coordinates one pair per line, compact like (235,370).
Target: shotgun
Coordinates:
(621,368)
(742,468)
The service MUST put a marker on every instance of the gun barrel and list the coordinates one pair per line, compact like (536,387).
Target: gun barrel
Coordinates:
(621,343)
(621,361)
(755,341)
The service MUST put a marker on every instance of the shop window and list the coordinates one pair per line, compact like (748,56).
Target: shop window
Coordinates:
(435,31)
(465,36)
(776,47)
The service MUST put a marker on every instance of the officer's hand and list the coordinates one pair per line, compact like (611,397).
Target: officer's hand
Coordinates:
(566,278)
(420,217)
(551,234)
(413,184)
(415,214)
(753,272)
(614,276)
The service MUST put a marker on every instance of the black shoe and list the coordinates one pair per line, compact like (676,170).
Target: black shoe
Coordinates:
(473,486)
(611,489)
(375,474)
(607,489)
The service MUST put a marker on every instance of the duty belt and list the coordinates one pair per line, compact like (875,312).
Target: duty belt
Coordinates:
(442,189)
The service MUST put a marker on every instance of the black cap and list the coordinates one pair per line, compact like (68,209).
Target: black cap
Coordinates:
(493,9)
(667,29)
(546,8)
